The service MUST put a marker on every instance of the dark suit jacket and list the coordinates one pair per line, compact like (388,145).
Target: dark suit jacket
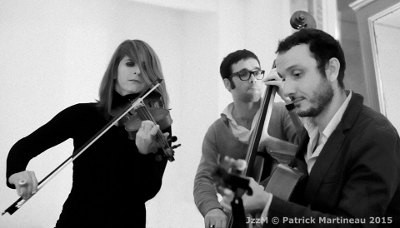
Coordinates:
(357,175)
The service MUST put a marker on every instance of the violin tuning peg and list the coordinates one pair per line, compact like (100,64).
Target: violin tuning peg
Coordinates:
(176,146)
(172,139)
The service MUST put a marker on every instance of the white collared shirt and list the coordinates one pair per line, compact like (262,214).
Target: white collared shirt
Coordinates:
(311,156)
(241,133)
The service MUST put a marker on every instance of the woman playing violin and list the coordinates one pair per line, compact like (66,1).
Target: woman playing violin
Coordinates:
(100,196)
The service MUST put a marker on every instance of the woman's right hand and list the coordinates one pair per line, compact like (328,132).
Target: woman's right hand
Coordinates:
(25,183)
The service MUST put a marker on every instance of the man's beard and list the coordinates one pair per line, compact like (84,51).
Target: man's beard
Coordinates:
(321,97)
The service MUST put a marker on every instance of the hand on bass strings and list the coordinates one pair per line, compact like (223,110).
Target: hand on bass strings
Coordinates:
(25,183)
(146,137)
(274,79)
(215,217)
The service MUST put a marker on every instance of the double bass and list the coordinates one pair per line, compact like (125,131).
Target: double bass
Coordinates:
(283,178)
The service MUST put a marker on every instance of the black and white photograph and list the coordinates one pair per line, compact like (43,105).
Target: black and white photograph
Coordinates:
(199,113)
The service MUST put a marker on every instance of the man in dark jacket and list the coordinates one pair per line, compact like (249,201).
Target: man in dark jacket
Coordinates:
(349,153)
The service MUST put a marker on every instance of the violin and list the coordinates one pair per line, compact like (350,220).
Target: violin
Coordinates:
(151,108)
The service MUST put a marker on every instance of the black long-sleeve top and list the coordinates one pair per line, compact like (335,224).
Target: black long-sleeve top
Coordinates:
(111,179)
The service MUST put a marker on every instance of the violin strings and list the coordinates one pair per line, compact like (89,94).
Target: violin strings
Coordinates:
(145,114)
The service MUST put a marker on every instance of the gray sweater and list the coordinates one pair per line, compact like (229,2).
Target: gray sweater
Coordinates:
(220,142)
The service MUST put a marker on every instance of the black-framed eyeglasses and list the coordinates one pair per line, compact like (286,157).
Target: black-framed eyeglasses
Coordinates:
(245,74)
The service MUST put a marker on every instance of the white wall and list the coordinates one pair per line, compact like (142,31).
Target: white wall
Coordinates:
(387,38)
(53,55)
(256,25)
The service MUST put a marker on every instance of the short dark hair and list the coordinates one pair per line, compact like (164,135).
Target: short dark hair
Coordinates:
(225,68)
(322,46)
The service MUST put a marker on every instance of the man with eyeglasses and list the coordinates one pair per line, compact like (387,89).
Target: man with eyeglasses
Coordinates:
(229,135)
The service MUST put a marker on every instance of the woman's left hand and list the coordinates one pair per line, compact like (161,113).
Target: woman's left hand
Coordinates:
(146,140)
